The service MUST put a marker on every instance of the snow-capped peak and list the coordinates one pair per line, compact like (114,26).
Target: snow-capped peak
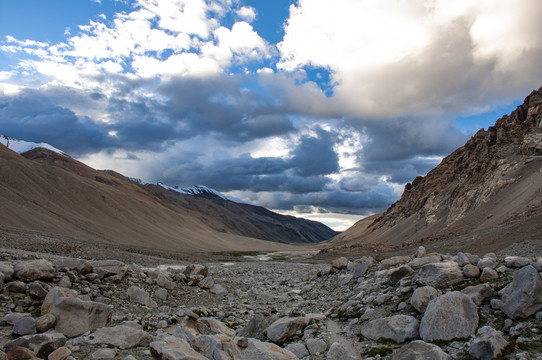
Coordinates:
(199,190)
(21,146)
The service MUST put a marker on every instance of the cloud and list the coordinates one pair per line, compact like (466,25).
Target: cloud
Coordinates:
(247,13)
(390,59)
(33,117)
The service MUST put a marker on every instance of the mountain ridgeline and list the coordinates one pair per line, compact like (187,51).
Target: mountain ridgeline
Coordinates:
(484,196)
(46,191)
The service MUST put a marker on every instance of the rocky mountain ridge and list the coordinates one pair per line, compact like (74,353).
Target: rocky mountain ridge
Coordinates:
(480,194)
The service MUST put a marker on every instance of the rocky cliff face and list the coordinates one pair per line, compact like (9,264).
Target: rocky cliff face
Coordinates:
(484,189)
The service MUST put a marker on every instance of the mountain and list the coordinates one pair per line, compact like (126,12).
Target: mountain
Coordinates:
(484,196)
(48,191)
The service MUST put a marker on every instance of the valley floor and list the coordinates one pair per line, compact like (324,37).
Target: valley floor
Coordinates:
(346,308)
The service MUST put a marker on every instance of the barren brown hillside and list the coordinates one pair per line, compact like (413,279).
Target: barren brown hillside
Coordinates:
(55,194)
(484,196)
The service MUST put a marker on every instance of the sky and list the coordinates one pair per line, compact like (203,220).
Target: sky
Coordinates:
(315,108)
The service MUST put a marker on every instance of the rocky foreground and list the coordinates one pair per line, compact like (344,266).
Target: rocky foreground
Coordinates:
(427,306)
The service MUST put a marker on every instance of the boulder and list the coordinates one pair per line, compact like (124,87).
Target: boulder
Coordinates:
(53,295)
(6,268)
(21,353)
(18,287)
(488,274)
(419,350)
(45,322)
(340,263)
(256,327)
(60,354)
(284,329)
(316,346)
(206,283)
(393,261)
(298,349)
(478,293)
(195,270)
(25,326)
(471,271)
(428,259)
(12,318)
(421,252)
(111,269)
(487,262)
(174,348)
(121,336)
(32,270)
(489,344)
(396,275)
(398,328)
(83,267)
(360,269)
(259,350)
(450,316)
(516,261)
(74,317)
(440,275)
(140,296)
(523,296)
(338,352)
(165,281)
(38,290)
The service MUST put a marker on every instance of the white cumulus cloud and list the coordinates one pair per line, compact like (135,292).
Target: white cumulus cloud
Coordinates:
(388,58)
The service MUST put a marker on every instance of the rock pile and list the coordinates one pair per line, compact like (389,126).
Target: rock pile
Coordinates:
(430,306)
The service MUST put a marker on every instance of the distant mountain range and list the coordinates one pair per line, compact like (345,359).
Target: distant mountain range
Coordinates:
(44,189)
(484,196)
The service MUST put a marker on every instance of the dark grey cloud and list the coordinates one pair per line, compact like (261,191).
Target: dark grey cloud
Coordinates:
(33,117)
(315,156)
(404,138)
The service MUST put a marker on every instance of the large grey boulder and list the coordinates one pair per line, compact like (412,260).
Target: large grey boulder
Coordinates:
(82,266)
(419,350)
(174,348)
(523,296)
(395,275)
(340,263)
(338,352)
(121,336)
(393,261)
(6,268)
(440,275)
(422,296)
(256,327)
(360,269)
(32,270)
(478,293)
(53,295)
(428,259)
(74,317)
(25,326)
(111,269)
(140,296)
(284,329)
(489,344)
(259,350)
(450,316)
(516,261)
(398,328)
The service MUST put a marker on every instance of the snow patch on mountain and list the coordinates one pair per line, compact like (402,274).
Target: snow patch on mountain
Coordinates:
(21,146)
(199,190)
